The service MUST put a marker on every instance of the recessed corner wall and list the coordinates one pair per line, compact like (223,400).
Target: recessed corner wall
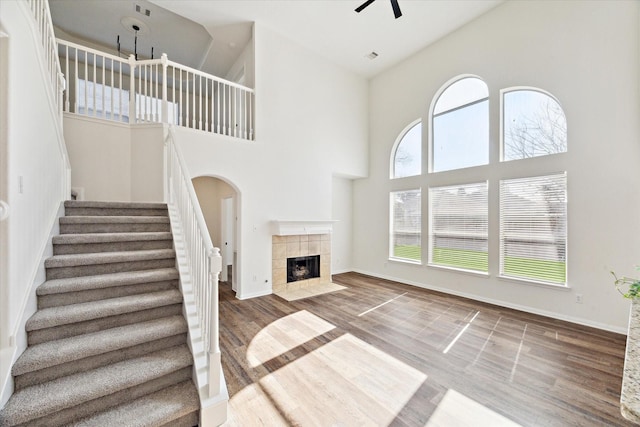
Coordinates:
(113,161)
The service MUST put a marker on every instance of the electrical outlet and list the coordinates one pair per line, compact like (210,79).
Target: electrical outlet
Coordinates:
(579,299)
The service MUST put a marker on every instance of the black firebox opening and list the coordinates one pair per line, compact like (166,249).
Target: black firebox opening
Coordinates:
(303,268)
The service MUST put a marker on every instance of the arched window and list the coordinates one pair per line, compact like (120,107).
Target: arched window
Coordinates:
(407,155)
(533,124)
(460,126)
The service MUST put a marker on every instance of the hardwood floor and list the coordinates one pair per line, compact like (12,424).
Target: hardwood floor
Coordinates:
(381,353)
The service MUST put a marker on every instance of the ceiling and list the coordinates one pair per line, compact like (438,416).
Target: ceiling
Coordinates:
(210,35)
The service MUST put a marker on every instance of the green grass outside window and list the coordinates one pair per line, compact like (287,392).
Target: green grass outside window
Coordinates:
(526,268)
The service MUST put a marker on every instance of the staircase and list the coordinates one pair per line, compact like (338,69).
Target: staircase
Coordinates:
(107,346)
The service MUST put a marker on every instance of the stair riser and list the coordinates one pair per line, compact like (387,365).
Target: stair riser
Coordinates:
(57,300)
(73,329)
(69,415)
(132,227)
(188,420)
(69,211)
(114,267)
(86,248)
(88,363)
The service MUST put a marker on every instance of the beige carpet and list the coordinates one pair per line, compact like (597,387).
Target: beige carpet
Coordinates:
(310,291)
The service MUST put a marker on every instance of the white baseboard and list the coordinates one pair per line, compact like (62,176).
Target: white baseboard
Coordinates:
(254,294)
(519,307)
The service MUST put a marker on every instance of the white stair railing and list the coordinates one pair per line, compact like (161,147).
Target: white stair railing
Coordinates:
(42,15)
(203,259)
(105,86)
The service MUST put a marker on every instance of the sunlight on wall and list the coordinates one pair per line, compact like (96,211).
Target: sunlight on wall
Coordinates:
(284,335)
(455,409)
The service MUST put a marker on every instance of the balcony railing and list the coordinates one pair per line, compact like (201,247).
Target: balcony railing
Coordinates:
(108,87)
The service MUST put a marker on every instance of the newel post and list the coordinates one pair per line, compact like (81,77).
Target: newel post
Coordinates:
(215,364)
(133,115)
(165,102)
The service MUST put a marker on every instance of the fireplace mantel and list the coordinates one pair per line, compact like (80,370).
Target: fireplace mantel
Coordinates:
(295,228)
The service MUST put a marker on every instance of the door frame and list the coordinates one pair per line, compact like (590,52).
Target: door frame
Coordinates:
(227,237)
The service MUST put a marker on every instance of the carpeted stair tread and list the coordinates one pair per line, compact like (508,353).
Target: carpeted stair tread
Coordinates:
(94,219)
(56,352)
(154,409)
(74,260)
(79,239)
(50,397)
(113,205)
(63,315)
(84,283)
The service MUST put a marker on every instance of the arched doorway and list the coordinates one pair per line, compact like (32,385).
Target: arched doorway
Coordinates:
(219,201)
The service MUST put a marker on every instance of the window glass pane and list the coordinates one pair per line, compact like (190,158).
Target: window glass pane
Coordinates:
(461,138)
(97,95)
(533,228)
(460,125)
(462,92)
(406,225)
(458,234)
(408,156)
(534,125)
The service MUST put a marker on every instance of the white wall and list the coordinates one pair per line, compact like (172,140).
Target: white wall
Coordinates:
(587,55)
(113,161)
(311,123)
(36,177)
(341,239)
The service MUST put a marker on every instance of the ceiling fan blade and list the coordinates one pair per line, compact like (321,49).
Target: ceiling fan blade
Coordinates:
(363,5)
(396,8)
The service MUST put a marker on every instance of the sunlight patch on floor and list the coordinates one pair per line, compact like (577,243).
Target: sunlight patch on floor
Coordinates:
(284,335)
(341,383)
(252,407)
(380,305)
(310,291)
(457,410)
(452,343)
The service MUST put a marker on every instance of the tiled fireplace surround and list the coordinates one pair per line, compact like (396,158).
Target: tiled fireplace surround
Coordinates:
(298,245)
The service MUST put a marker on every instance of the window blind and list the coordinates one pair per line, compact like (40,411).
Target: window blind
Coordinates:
(533,228)
(406,225)
(458,226)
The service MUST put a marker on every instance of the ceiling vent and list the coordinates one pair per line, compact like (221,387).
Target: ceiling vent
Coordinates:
(142,11)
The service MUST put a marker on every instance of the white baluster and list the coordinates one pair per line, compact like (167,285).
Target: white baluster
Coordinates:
(165,102)
(95,84)
(133,114)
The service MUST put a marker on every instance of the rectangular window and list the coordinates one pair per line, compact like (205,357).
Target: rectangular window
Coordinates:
(458,226)
(533,228)
(112,103)
(406,223)
(96,99)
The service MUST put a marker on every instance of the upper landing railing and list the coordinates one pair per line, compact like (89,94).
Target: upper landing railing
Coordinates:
(108,87)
